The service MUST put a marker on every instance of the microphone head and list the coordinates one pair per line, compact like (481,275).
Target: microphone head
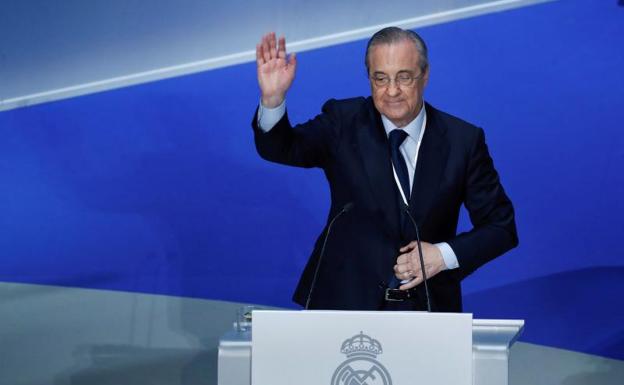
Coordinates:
(348,207)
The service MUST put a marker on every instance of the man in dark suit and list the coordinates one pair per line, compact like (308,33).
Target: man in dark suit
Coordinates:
(390,156)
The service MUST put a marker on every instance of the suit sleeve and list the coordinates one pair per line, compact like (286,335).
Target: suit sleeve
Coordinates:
(310,144)
(490,210)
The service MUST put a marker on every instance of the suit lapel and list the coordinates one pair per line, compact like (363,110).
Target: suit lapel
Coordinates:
(373,149)
(430,166)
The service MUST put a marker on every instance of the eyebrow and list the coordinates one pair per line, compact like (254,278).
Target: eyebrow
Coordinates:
(400,72)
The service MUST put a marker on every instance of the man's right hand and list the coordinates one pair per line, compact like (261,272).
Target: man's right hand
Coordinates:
(275,71)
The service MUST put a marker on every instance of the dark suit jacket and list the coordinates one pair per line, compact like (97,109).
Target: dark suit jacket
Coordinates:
(348,142)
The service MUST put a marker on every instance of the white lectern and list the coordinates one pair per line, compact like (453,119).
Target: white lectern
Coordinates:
(491,340)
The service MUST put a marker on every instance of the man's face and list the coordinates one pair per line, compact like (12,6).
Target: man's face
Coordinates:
(399,103)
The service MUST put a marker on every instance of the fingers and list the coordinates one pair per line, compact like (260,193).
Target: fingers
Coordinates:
(402,268)
(281,48)
(410,246)
(273,45)
(411,256)
(405,272)
(411,284)
(259,58)
(292,61)
(271,48)
(408,265)
(408,275)
(266,48)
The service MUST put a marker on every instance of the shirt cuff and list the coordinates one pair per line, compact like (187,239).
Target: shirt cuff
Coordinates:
(450,259)
(268,117)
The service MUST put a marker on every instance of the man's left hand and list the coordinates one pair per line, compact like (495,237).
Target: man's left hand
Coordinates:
(408,264)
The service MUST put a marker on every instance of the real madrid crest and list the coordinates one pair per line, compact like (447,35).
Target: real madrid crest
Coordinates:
(361,366)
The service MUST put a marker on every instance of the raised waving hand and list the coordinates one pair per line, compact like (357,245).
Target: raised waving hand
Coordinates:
(275,71)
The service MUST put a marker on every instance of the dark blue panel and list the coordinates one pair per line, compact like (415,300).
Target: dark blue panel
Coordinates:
(157,188)
(154,188)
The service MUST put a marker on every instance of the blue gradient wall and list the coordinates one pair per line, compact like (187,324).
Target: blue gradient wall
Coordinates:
(157,188)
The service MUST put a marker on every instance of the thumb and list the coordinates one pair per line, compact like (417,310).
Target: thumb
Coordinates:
(292,60)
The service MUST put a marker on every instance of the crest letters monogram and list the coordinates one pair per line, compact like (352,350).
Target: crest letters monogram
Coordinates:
(361,366)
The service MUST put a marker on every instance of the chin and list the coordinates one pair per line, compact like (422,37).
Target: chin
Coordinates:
(395,115)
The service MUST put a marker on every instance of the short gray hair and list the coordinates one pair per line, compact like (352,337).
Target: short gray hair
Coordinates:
(392,35)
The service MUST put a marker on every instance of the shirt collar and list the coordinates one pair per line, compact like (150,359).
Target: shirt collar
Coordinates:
(412,128)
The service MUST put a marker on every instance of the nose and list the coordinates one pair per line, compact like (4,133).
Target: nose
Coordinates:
(393,88)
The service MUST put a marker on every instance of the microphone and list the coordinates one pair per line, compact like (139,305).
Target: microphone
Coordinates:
(345,208)
(420,254)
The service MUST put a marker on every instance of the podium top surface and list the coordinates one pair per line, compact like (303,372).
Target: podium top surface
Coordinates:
(490,334)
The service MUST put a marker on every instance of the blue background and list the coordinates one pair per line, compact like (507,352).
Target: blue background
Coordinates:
(157,188)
